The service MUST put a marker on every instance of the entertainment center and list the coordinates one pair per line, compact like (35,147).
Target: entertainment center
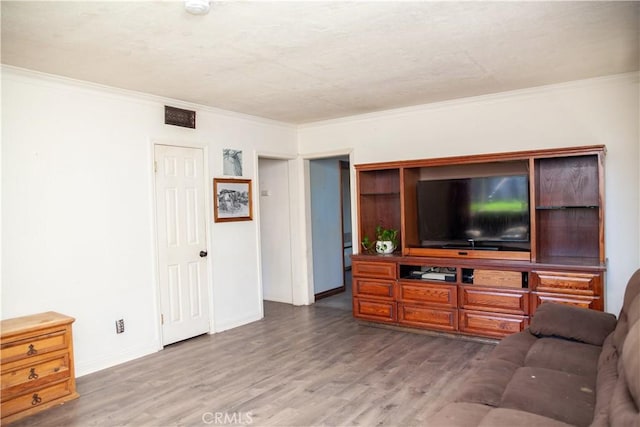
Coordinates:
(483,239)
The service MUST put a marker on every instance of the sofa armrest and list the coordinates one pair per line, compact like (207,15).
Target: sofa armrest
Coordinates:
(574,323)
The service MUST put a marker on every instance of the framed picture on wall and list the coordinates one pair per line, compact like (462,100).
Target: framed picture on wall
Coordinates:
(231,162)
(232,200)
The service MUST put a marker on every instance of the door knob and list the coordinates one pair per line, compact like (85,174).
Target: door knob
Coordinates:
(203,254)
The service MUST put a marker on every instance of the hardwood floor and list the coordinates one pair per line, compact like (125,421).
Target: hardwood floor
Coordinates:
(299,366)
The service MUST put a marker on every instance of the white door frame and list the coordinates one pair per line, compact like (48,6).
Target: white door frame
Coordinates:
(154,224)
(306,221)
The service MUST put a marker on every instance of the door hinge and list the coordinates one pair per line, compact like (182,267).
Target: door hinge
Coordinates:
(155,166)
(162,319)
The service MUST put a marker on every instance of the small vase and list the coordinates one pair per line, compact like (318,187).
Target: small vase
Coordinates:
(384,246)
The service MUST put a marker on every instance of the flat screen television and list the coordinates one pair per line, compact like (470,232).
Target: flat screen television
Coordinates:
(490,213)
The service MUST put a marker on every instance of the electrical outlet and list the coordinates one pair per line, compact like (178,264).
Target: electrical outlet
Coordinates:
(119,326)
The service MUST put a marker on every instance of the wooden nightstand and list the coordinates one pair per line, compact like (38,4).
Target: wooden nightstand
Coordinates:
(36,353)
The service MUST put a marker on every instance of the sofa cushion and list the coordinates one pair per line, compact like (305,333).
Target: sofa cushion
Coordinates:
(564,355)
(576,323)
(487,384)
(605,382)
(631,362)
(514,348)
(628,316)
(631,291)
(459,415)
(513,417)
(559,395)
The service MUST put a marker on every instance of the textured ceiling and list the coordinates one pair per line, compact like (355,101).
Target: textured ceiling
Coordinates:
(299,62)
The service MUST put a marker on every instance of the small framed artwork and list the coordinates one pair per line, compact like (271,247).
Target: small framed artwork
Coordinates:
(232,200)
(231,162)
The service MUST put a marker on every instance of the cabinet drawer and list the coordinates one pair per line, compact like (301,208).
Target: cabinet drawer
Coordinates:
(384,311)
(41,372)
(494,325)
(538,298)
(376,270)
(374,288)
(33,346)
(566,282)
(500,300)
(426,316)
(428,293)
(36,399)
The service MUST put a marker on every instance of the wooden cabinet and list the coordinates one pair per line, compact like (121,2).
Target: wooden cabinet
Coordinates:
(374,298)
(37,364)
(563,260)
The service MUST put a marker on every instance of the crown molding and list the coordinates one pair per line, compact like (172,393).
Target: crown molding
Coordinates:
(492,97)
(17,73)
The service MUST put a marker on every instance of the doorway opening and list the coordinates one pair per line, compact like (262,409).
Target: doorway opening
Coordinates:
(275,229)
(330,195)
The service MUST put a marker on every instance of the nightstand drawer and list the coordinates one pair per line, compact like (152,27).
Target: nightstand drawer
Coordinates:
(41,372)
(36,399)
(33,346)
(374,288)
(429,293)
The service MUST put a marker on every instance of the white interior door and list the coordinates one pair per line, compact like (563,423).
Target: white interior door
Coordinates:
(182,249)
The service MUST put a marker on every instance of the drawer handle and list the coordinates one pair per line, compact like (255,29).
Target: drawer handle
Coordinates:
(36,399)
(32,374)
(32,350)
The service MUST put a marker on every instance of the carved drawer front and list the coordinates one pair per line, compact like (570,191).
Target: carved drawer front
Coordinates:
(428,316)
(428,293)
(374,310)
(538,298)
(494,325)
(500,300)
(376,270)
(35,399)
(39,373)
(572,283)
(374,288)
(33,346)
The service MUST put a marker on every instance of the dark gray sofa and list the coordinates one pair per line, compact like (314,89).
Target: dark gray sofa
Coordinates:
(572,366)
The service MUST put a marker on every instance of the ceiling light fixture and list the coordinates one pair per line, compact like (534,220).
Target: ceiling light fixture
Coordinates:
(196,7)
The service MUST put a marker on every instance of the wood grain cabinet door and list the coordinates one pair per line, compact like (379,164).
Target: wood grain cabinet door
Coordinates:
(567,282)
(375,270)
(495,325)
(428,293)
(498,300)
(380,311)
(374,288)
(426,316)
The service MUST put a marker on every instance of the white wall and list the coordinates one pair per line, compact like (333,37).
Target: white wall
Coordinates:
(77,215)
(275,230)
(596,111)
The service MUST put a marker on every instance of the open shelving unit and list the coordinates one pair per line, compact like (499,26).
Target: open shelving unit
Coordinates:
(485,293)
